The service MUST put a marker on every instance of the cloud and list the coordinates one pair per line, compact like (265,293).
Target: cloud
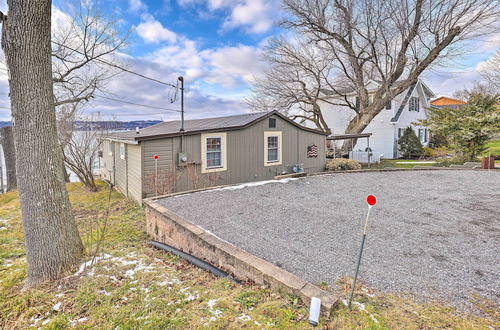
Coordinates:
(254,16)
(137,5)
(233,66)
(152,31)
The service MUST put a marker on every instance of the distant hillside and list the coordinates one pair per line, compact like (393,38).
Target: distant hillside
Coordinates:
(113,125)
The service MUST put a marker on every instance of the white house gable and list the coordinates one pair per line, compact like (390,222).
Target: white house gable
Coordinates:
(385,126)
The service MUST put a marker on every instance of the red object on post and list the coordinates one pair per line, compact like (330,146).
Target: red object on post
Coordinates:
(156,157)
(371,200)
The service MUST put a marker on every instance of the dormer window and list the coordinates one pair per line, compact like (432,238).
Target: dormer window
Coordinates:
(414,104)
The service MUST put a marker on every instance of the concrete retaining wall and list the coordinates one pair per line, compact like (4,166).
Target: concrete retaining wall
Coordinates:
(166,227)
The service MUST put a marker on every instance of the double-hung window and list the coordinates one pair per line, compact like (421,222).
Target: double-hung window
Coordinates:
(422,135)
(272,148)
(214,152)
(122,150)
(414,104)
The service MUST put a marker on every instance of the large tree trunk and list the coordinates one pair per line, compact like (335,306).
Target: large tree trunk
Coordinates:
(7,144)
(53,244)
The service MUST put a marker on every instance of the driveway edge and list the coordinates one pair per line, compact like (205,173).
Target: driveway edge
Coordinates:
(164,226)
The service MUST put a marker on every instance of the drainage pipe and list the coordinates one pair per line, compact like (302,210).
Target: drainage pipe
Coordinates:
(193,260)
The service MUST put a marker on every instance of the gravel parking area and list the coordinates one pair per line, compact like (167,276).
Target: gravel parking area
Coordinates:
(433,233)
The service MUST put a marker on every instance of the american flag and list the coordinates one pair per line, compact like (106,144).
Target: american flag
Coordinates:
(312,151)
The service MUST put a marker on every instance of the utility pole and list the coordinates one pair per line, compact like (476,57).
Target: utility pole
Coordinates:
(181,79)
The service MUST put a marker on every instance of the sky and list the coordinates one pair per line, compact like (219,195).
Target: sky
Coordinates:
(215,45)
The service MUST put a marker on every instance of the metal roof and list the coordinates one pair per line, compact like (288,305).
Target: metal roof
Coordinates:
(348,136)
(195,126)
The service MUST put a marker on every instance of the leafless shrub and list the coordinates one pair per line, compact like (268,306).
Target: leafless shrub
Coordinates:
(164,182)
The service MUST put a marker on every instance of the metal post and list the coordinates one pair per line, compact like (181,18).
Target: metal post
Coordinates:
(334,148)
(156,178)
(181,79)
(359,258)
(1,172)
(369,151)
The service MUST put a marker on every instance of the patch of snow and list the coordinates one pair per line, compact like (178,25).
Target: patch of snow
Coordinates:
(104,292)
(44,322)
(57,307)
(257,183)
(88,264)
(75,322)
(244,317)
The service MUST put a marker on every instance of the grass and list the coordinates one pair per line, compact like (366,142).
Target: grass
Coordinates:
(493,147)
(140,287)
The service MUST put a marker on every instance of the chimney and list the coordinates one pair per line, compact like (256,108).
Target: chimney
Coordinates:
(137,130)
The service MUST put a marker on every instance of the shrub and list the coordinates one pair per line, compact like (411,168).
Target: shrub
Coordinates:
(438,141)
(434,152)
(409,144)
(427,152)
(342,164)
(457,160)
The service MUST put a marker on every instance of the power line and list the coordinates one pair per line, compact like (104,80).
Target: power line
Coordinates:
(117,66)
(137,104)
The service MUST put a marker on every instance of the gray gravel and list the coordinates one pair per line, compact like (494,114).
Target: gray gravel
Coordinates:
(434,233)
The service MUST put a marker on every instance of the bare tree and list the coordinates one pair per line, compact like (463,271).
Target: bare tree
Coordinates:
(80,141)
(53,244)
(391,41)
(490,70)
(293,81)
(84,58)
(84,54)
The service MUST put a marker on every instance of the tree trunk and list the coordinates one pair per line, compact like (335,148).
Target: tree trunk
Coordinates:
(7,143)
(53,244)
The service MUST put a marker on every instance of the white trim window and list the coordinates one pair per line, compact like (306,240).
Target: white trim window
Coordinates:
(272,148)
(122,151)
(422,135)
(414,104)
(401,131)
(213,152)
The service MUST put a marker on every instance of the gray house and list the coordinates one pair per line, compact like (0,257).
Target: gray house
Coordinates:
(161,159)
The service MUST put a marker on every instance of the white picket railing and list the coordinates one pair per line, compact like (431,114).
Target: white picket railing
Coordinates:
(362,156)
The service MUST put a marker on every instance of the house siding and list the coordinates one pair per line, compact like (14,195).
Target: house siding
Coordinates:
(244,152)
(134,171)
(120,176)
(384,132)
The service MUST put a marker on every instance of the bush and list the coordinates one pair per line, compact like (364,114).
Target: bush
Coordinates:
(438,141)
(409,144)
(427,152)
(342,164)
(457,160)
(434,153)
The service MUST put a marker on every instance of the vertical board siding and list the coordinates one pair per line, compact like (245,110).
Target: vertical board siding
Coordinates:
(120,169)
(134,168)
(106,164)
(244,152)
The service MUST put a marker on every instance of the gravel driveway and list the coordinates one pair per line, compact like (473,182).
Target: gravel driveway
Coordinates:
(433,233)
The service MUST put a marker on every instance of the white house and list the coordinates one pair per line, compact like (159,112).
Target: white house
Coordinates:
(388,125)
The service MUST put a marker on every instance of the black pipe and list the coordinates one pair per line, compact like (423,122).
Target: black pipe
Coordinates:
(193,260)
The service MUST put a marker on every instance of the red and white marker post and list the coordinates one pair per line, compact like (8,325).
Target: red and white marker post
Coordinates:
(156,174)
(371,200)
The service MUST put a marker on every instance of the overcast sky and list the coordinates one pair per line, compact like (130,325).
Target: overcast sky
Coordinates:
(215,45)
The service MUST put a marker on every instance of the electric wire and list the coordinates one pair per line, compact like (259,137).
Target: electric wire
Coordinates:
(137,104)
